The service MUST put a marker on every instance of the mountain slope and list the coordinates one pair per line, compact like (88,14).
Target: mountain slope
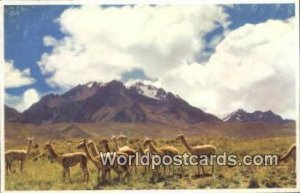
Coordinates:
(257,116)
(114,102)
(11,114)
(74,131)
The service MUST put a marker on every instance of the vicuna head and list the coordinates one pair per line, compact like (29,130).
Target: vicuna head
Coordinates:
(180,137)
(113,138)
(122,137)
(82,144)
(48,145)
(147,141)
(90,143)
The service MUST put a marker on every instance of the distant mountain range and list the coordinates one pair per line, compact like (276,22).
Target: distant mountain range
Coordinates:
(257,116)
(96,102)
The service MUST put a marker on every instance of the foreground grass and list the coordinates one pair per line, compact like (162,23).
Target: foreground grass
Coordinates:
(41,174)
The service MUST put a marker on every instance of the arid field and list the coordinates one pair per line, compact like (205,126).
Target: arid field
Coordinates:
(41,174)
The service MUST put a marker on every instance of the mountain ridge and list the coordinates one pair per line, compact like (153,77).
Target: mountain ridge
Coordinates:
(114,102)
(241,115)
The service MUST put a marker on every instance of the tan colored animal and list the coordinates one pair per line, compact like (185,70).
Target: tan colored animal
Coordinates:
(291,153)
(125,149)
(198,150)
(165,150)
(119,169)
(17,155)
(96,160)
(143,151)
(68,160)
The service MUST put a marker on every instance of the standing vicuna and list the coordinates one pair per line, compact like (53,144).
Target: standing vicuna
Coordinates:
(17,155)
(96,160)
(68,160)
(291,153)
(119,169)
(162,151)
(125,149)
(143,151)
(199,150)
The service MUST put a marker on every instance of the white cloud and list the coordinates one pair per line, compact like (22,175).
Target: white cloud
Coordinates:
(252,68)
(23,102)
(14,78)
(102,44)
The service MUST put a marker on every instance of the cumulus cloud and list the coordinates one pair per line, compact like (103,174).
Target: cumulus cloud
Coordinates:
(252,68)
(14,77)
(102,44)
(24,101)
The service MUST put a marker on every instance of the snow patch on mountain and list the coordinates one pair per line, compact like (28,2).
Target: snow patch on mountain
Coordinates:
(148,90)
(94,83)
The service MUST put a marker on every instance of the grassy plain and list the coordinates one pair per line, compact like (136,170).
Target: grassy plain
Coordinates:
(41,174)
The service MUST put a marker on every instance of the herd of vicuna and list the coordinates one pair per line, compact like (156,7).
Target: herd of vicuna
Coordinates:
(90,152)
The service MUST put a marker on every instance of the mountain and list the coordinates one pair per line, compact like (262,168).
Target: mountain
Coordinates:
(11,114)
(114,102)
(257,116)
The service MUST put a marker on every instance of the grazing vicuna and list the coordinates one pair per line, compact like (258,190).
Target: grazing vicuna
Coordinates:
(291,153)
(119,169)
(198,150)
(68,160)
(17,155)
(162,151)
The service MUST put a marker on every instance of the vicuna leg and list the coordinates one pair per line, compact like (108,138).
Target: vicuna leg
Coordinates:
(98,176)
(69,174)
(64,174)
(126,176)
(10,165)
(213,169)
(22,165)
(202,167)
(86,173)
(6,167)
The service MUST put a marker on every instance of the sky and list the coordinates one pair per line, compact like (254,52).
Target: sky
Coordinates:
(218,58)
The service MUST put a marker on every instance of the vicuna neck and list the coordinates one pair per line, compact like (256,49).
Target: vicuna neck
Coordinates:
(116,144)
(152,146)
(54,154)
(89,155)
(95,148)
(186,144)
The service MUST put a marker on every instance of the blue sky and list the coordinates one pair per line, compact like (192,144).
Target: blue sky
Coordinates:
(26,26)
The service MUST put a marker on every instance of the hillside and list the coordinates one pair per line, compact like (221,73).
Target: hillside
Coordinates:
(11,114)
